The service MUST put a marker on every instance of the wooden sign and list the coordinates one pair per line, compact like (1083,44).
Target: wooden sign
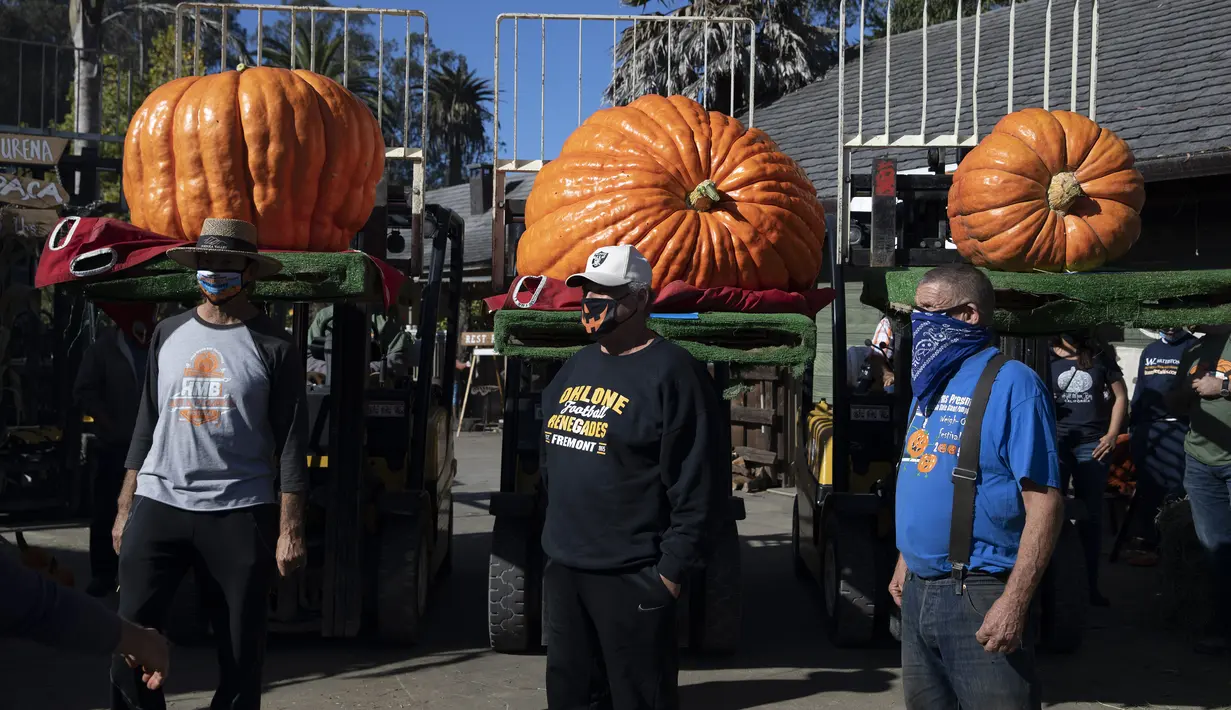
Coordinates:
(32,224)
(31,150)
(479,340)
(29,192)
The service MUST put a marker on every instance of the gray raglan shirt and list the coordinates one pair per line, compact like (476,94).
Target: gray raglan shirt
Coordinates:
(223,415)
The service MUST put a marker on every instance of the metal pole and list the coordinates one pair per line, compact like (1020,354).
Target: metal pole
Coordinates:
(345,47)
(579,33)
(543,90)
(312,42)
(1093,56)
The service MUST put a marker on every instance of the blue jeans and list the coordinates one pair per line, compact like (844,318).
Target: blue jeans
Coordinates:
(944,667)
(1209,492)
(1088,480)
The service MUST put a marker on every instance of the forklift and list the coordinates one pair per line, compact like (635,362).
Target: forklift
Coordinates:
(379,514)
(843,536)
(710,611)
(379,510)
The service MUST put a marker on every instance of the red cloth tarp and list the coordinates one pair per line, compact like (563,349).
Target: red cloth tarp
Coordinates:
(546,294)
(86,247)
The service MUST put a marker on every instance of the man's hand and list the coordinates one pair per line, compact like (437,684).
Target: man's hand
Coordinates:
(671,586)
(145,649)
(1106,444)
(291,552)
(899,579)
(123,505)
(117,530)
(1004,626)
(1207,386)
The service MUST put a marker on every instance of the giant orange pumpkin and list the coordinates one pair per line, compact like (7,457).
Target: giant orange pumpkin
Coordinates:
(290,151)
(1046,191)
(703,198)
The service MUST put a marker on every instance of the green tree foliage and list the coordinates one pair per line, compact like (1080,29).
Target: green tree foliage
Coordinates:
(795,45)
(458,116)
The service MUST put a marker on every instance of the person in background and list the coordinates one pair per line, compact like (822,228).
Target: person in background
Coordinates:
(634,489)
(1157,442)
(968,632)
(1091,402)
(108,390)
(217,467)
(391,346)
(35,608)
(459,380)
(1203,393)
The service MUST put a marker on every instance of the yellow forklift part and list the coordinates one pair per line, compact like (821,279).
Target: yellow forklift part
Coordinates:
(820,454)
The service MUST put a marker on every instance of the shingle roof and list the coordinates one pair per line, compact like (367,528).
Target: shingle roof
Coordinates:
(478,245)
(1164,83)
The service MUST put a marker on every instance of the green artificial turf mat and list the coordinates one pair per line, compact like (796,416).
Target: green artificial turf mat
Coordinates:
(779,339)
(314,277)
(1044,303)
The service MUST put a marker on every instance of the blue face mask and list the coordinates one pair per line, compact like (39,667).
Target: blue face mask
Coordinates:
(939,346)
(220,286)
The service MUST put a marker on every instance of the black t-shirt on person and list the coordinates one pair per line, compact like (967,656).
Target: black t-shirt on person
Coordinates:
(1083,397)
(630,461)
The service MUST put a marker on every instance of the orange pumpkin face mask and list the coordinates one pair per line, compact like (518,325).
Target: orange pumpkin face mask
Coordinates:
(598,316)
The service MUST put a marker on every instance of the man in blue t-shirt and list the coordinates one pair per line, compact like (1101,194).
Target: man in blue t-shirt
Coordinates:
(967,639)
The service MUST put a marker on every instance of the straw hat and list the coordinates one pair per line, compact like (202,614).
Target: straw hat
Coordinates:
(227,236)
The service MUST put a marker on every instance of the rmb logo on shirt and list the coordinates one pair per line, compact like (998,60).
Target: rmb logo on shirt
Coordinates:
(201,398)
(580,422)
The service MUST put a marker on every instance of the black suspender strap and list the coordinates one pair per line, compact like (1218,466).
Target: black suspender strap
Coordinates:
(961,528)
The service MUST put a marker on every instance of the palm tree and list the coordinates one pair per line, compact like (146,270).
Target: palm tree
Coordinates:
(329,60)
(458,112)
(792,50)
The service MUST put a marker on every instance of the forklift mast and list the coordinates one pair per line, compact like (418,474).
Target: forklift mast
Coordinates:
(508,219)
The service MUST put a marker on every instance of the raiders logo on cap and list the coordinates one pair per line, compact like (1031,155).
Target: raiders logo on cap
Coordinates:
(598,259)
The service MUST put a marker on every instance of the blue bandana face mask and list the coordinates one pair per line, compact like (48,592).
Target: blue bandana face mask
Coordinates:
(220,286)
(940,344)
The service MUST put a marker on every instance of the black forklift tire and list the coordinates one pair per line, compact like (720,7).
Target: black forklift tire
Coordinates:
(513,597)
(895,623)
(717,620)
(1064,594)
(848,581)
(797,560)
(403,579)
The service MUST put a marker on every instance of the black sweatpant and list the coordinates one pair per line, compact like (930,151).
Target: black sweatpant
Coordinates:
(108,479)
(611,640)
(236,547)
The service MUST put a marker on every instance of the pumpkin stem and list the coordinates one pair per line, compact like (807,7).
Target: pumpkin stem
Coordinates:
(703,196)
(241,66)
(1063,192)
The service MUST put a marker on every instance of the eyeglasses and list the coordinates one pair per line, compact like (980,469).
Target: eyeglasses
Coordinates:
(951,311)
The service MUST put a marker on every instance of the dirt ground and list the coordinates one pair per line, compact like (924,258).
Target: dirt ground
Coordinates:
(1130,658)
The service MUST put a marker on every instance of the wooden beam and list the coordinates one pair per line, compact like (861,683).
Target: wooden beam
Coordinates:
(753,415)
(753,455)
(763,373)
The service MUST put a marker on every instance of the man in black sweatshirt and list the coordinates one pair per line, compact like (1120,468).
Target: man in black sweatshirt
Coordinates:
(630,470)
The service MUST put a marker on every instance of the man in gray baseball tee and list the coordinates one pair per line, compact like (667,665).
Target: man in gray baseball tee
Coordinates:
(216,472)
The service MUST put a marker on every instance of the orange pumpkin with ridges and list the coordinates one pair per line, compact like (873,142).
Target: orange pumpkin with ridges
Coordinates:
(291,151)
(1046,191)
(703,198)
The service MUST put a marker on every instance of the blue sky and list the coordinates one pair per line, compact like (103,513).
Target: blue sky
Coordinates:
(468,27)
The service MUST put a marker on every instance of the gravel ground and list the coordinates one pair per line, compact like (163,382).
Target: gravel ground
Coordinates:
(1129,659)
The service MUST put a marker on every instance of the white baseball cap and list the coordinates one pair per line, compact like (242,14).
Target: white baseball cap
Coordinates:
(614,266)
